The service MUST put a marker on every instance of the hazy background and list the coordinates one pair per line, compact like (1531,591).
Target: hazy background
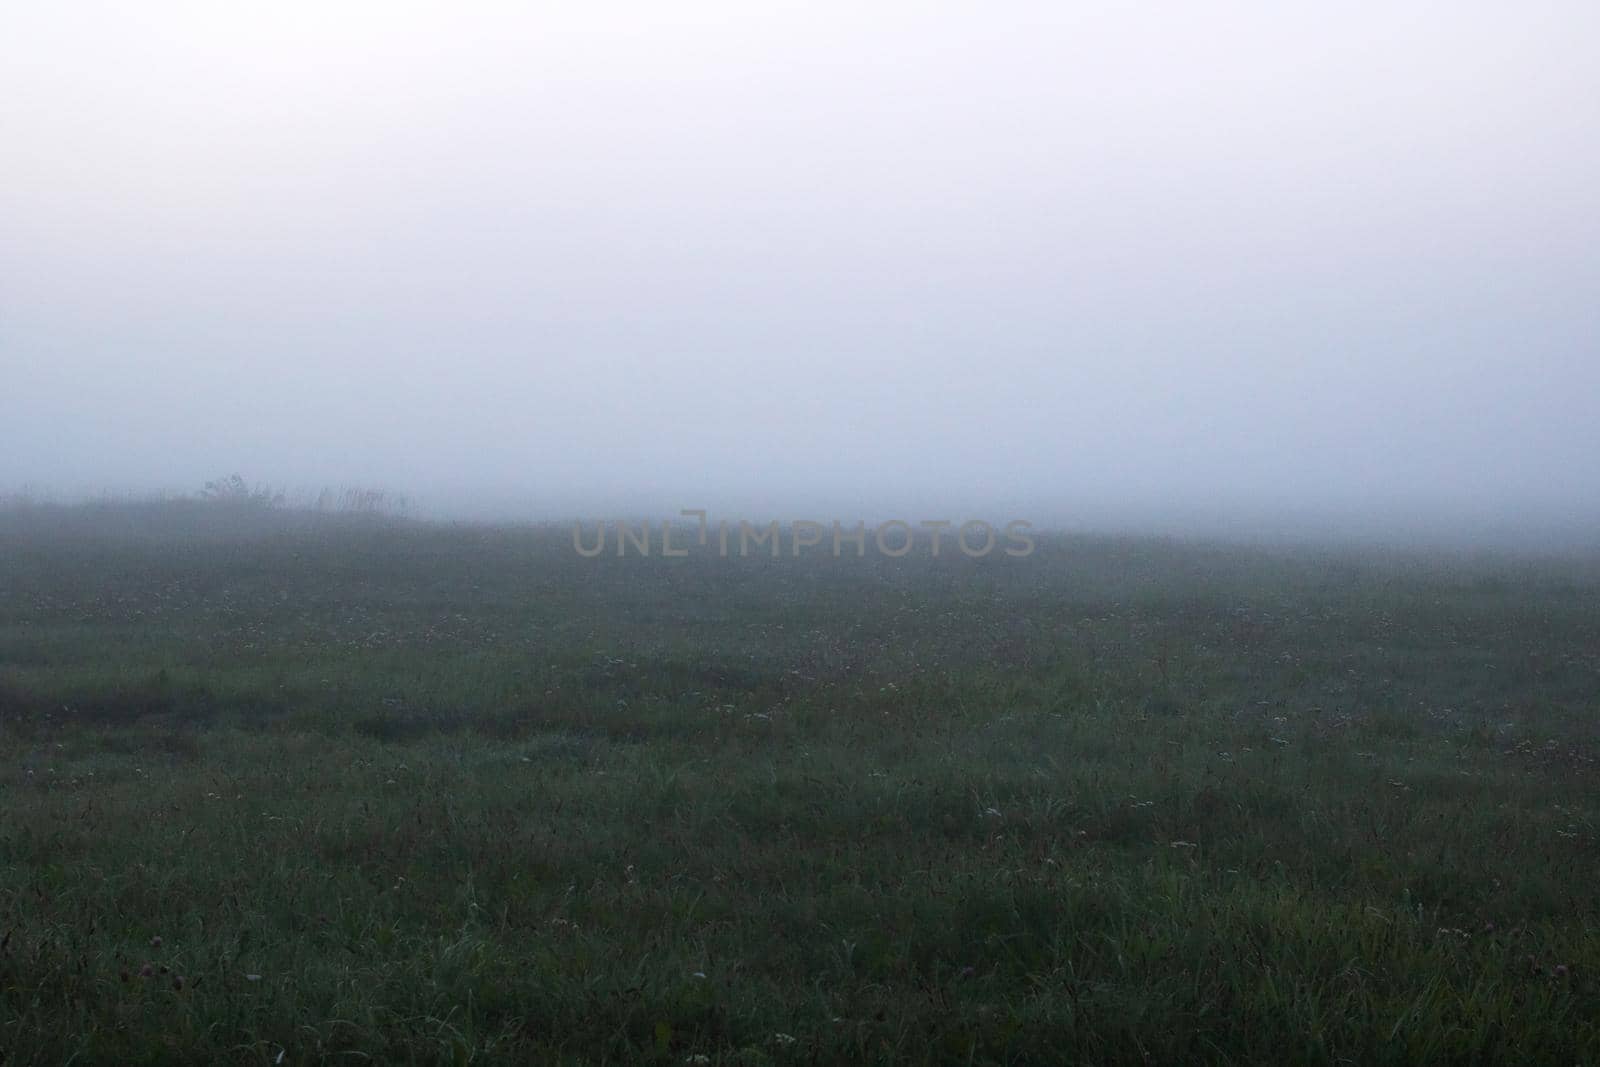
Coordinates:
(1224,265)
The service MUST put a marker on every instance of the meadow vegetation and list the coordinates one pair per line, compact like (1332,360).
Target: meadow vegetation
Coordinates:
(286,787)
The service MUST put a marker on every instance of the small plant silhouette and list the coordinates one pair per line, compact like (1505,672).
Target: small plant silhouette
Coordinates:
(235,490)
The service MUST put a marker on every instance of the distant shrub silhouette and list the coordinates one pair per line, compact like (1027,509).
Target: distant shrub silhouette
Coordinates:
(362,501)
(235,490)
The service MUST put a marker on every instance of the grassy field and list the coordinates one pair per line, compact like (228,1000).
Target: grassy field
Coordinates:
(286,788)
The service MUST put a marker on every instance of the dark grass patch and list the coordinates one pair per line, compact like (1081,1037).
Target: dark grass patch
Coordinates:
(157,700)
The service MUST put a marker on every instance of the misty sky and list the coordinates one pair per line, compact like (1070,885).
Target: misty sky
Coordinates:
(1058,257)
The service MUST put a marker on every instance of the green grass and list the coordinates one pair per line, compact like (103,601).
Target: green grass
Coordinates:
(415,793)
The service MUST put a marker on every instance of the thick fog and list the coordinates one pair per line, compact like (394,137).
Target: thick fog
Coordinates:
(1216,264)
